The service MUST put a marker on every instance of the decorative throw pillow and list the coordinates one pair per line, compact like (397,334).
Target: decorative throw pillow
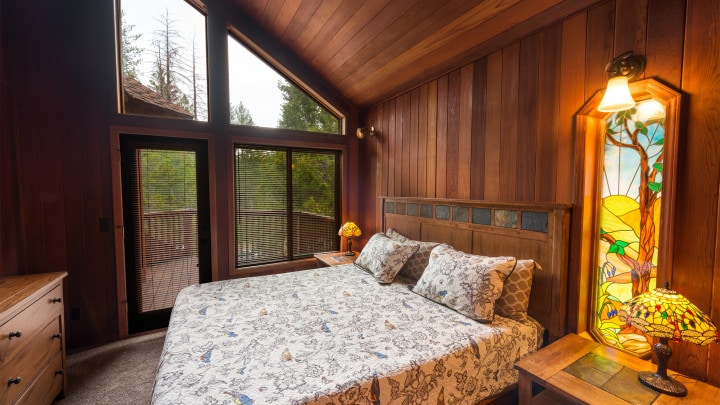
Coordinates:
(514,301)
(414,267)
(467,283)
(384,257)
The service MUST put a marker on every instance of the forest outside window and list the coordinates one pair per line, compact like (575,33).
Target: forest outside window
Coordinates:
(163,59)
(287,203)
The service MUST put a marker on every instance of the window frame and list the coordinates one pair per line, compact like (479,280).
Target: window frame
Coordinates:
(283,265)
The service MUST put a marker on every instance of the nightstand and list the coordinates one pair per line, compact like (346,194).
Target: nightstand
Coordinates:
(575,370)
(334,258)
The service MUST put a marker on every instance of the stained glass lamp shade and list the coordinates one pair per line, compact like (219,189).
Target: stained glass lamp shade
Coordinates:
(349,230)
(666,314)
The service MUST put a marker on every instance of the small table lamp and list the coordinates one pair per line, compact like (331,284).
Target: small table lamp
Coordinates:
(348,230)
(666,314)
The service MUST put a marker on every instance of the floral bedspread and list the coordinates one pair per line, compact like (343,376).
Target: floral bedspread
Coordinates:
(330,336)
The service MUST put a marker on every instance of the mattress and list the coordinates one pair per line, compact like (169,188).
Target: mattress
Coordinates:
(331,336)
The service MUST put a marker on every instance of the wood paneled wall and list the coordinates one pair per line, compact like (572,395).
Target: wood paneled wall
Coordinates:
(501,129)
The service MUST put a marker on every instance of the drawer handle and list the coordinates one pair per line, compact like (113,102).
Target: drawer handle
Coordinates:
(55,300)
(14,335)
(57,336)
(59,372)
(15,380)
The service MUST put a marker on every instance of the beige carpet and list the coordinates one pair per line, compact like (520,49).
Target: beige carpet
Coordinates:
(121,372)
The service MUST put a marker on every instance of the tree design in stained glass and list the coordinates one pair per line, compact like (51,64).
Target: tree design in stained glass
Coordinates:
(629,220)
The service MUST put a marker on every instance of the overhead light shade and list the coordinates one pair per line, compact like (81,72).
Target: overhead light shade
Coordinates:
(617,96)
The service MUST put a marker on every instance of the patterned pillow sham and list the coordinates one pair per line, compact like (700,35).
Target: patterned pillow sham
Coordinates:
(515,298)
(414,267)
(467,283)
(384,257)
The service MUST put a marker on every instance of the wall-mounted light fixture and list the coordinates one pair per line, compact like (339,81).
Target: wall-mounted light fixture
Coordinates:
(621,70)
(362,132)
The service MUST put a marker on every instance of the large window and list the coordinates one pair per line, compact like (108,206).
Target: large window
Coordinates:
(163,59)
(261,96)
(286,203)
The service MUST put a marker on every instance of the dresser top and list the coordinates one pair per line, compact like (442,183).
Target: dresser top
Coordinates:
(15,289)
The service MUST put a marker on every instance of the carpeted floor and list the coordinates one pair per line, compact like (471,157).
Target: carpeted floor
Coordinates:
(121,372)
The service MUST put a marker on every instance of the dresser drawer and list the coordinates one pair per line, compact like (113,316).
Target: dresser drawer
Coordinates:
(22,369)
(28,323)
(47,386)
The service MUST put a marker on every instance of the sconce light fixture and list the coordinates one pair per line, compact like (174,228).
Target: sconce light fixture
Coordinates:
(362,132)
(621,70)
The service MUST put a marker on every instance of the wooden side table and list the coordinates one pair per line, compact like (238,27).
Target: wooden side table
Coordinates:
(575,370)
(334,258)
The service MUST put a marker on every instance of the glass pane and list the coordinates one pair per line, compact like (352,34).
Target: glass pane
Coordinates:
(629,219)
(260,206)
(168,248)
(163,59)
(260,96)
(314,181)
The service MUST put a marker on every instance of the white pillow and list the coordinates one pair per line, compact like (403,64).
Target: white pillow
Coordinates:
(467,283)
(384,257)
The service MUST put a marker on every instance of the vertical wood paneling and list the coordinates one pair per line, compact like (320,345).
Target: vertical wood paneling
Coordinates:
(572,68)
(392,150)
(399,154)
(422,140)
(453,135)
(479,126)
(441,138)
(698,170)
(432,139)
(527,118)
(630,26)
(509,122)
(413,140)
(406,144)
(665,31)
(600,28)
(548,107)
(493,126)
(465,132)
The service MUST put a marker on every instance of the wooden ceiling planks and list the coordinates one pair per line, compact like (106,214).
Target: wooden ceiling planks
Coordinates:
(372,50)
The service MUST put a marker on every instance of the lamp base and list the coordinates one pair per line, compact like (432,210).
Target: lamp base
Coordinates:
(664,384)
(349,253)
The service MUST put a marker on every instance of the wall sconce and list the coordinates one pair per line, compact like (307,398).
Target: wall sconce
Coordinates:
(362,132)
(621,70)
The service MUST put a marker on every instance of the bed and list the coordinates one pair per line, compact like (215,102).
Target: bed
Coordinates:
(338,335)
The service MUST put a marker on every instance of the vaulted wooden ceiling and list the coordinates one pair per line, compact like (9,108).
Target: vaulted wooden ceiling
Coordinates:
(375,49)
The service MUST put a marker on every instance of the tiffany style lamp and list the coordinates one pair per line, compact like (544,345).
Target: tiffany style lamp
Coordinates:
(666,314)
(348,230)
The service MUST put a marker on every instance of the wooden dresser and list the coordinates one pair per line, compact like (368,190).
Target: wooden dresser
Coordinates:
(32,340)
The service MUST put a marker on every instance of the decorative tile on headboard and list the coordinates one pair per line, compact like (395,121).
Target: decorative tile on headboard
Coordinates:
(481,216)
(506,218)
(534,221)
(442,212)
(400,208)
(412,209)
(390,207)
(460,214)
(426,210)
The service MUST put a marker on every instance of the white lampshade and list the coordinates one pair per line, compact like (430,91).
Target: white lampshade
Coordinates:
(617,96)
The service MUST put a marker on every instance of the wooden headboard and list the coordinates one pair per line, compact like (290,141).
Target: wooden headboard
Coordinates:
(537,231)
